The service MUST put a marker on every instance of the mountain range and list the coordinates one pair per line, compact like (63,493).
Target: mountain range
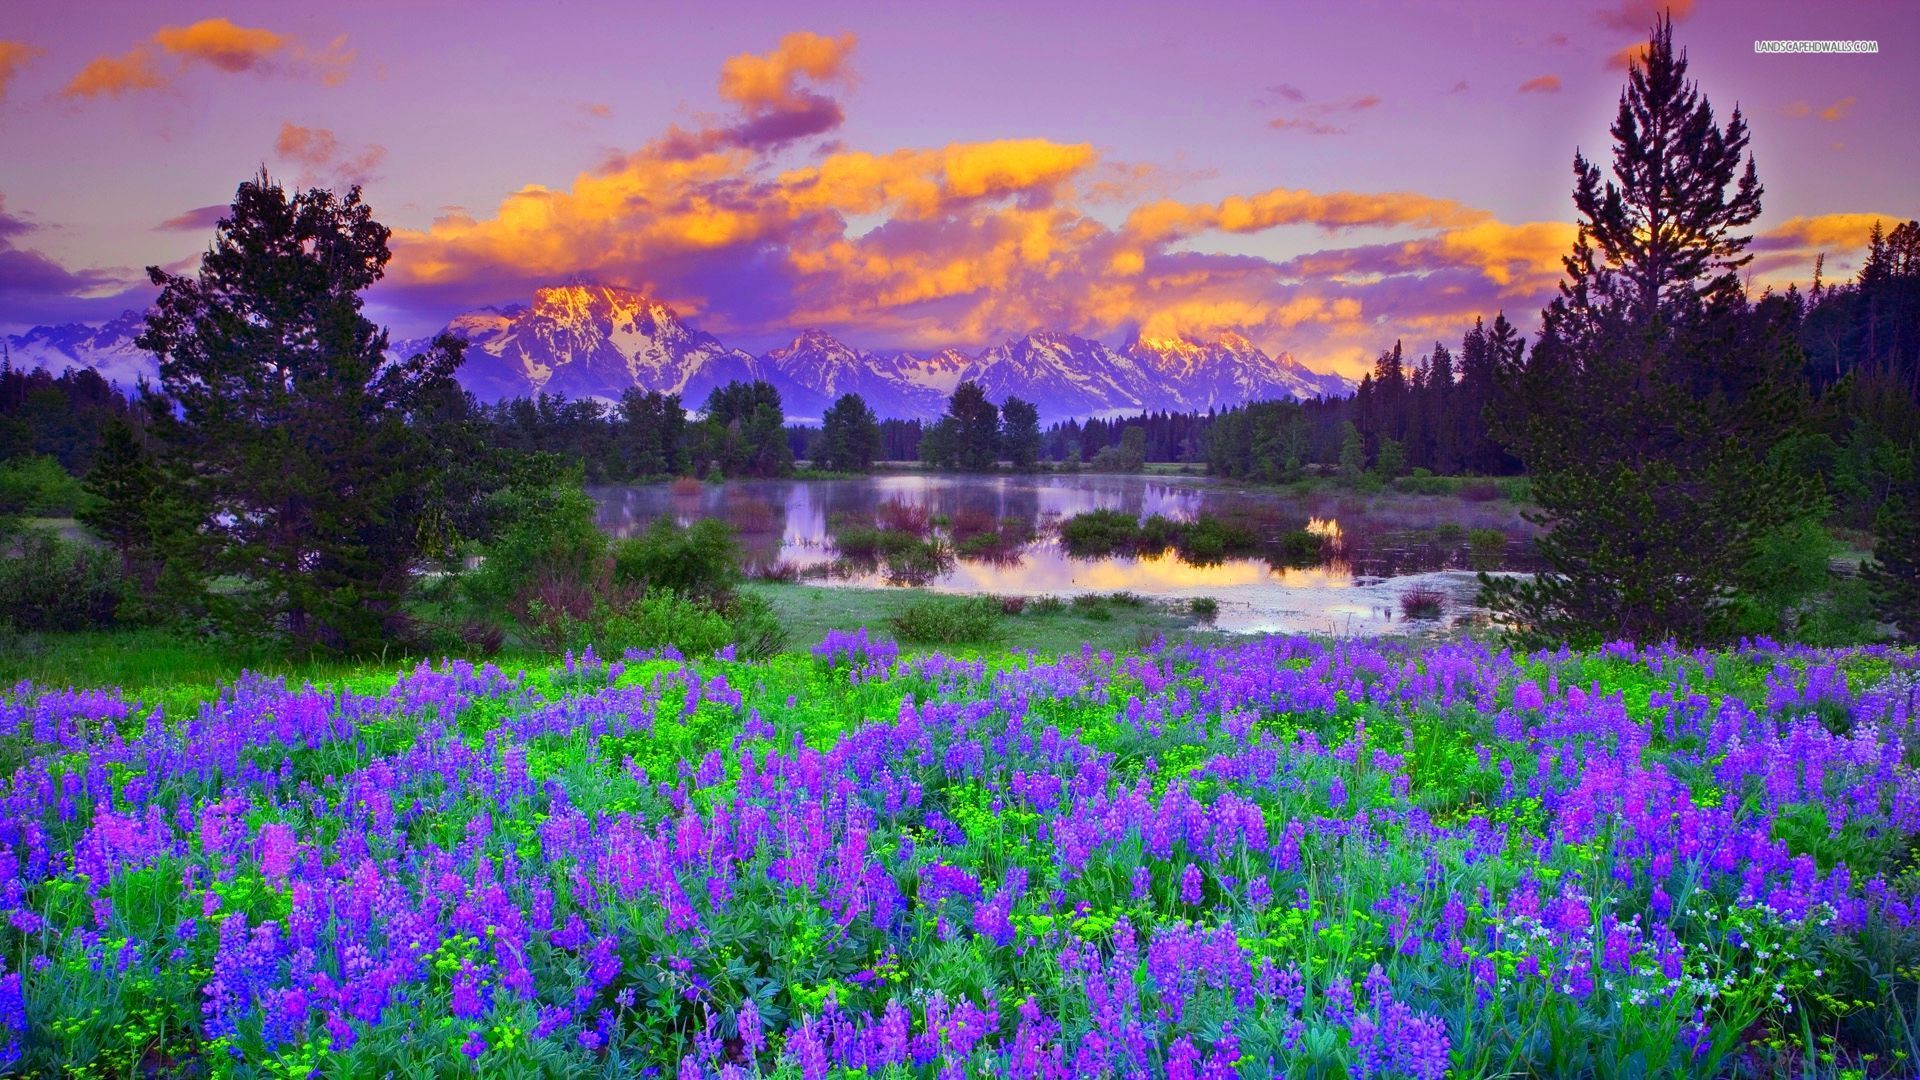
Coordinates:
(598,341)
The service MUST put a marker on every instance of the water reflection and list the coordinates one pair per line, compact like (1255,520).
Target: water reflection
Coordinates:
(998,535)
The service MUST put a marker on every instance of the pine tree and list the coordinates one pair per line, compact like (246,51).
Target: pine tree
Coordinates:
(123,483)
(1020,432)
(975,427)
(290,436)
(1646,412)
(850,435)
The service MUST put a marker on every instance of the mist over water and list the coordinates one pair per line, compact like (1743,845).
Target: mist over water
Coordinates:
(1376,547)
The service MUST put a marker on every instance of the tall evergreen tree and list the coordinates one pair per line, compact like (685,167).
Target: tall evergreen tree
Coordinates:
(850,435)
(974,427)
(291,439)
(1647,411)
(1020,432)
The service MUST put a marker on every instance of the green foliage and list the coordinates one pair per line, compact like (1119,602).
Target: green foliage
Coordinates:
(1648,412)
(1020,432)
(299,449)
(658,618)
(1789,590)
(36,486)
(1099,532)
(700,561)
(653,433)
(968,436)
(1128,457)
(47,583)
(743,432)
(1894,573)
(849,435)
(1353,452)
(1204,608)
(949,620)
(1391,461)
(544,533)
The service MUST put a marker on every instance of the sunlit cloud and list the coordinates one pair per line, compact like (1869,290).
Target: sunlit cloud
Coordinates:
(1637,16)
(217,43)
(1541,84)
(1828,232)
(1628,57)
(321,153)
(971,243)
(14,55)
(199,219)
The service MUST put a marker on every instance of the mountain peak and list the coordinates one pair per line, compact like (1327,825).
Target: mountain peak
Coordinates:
(567,303)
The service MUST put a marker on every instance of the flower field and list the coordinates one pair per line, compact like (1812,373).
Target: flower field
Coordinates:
(1282,856)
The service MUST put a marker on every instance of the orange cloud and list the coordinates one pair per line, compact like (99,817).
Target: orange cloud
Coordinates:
(14,55)
(116,75)
(1841,232)
(1637,16)
(972,242)
(221,43)
(1628,57)
(760,82)
(1839,108)
(218,43)
(321,152)
(1541,84)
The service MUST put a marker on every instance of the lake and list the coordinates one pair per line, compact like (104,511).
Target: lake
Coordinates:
(1000,535)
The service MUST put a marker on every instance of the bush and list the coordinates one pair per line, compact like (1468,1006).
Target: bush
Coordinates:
(47,583)
(660,618)
(545,537)
(1423,602)
(38,487)
(947,621)
(1204,608)
(1099,532)
(1090,606)
(1480,491)
(1012,605)
(700,561)
(1302,548)
(1048,605)
(1209,539)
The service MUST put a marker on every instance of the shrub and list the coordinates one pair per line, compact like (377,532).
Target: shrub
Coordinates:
(915,561)
(1423,602)
(1302,548)
(685,486)
(1204,608)
(37,486)
(1099,532)
(756,630)
(701,561)
(1012,605)
(1123,598)
(1479,491)
(1091,606)
(661,618)
(898,515)
(1157,533)
(1208,539)
(47,583)
(1048,605)
(545,537)
(971,520)
(778,571)
(947,621)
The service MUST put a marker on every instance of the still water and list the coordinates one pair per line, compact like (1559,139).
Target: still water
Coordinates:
(1375,547)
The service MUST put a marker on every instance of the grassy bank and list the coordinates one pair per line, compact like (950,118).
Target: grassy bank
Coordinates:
(153,658)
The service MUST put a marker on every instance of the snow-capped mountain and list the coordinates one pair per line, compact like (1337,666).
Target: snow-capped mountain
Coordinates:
(1228,370)
(1065,375)
(596,341)
(817,368)
(107,349)
(591,341)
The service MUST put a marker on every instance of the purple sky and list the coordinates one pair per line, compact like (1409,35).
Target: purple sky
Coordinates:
(1323,179)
